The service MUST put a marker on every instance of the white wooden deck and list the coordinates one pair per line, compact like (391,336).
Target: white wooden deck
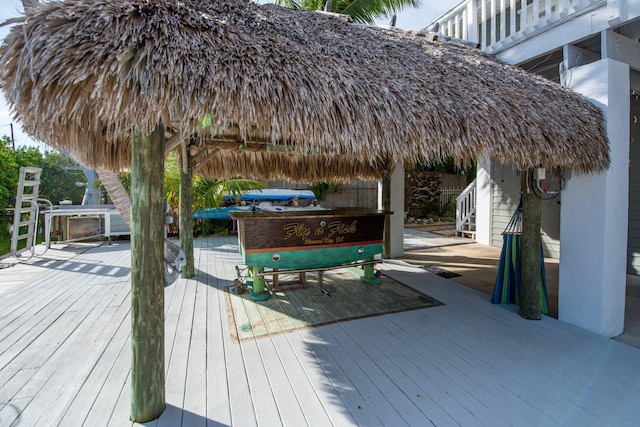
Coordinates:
(65,358)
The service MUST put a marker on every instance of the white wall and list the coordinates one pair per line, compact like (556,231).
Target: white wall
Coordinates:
(594,213)
(483,202)
(397,206)
(633,241)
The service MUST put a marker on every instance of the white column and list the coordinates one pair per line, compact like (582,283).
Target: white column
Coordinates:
(594,212)
(483,202)
(397,206)
(472,21)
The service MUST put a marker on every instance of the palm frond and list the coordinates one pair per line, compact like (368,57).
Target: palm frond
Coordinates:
(292,4)
(172,180)
(210,192)
(366,11)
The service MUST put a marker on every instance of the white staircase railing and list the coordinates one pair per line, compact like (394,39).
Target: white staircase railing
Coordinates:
(466,211)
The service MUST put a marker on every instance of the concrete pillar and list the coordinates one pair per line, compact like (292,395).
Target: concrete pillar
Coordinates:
(397,206)
(483,202)
(594,212)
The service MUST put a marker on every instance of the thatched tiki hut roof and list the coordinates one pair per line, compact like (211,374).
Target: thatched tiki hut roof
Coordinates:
(80,74)
(98,78)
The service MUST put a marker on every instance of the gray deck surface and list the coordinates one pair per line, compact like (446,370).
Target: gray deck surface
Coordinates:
(65,357)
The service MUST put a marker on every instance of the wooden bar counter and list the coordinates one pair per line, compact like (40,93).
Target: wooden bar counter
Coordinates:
(307,239)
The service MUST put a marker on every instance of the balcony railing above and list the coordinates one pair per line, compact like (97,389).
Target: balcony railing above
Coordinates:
(497,24)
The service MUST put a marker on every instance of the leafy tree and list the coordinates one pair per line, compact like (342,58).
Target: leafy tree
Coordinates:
(58,179)
(10,163)
(447,165)
(8,181)
(362,11)
(8,173)
(28,156)
(56,182)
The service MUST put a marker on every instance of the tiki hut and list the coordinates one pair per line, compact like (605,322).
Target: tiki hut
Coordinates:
(116,83)
(82,74)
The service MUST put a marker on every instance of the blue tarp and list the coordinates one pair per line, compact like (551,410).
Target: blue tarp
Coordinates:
(252,197)
(274,194)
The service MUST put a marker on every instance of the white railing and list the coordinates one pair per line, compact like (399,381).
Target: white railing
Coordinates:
(466,210)
(495,24)
(447,195)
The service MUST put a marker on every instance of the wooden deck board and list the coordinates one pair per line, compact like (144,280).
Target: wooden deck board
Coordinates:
(396,353)
(179,341)
(472,391)
(309,350)
(299,381)
(280,383)
(51,350)
(65,357)
(195,396)
(240,398)
(541,377)
(502,363)
(218,406)
(62,370)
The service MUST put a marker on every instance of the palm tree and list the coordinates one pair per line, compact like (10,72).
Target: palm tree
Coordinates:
(362,11)
(117,192)
(206,192)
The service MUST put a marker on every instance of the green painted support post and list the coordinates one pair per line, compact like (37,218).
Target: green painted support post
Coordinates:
(258,281)
(257,288)
(147,275)
(369,273)
(186,221)
(366,273)
(530,271)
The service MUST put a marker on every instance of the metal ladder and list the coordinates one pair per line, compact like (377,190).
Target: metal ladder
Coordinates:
(26,211)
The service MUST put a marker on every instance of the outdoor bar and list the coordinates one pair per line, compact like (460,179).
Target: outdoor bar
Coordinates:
(307,240)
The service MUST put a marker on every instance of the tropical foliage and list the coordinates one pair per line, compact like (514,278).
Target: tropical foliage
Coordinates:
(206,192)
(362,11)
(57,181)
(446,165)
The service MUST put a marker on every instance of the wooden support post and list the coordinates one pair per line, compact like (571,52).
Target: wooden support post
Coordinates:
(386,206)
(530,259)
(147,275)
(186,221)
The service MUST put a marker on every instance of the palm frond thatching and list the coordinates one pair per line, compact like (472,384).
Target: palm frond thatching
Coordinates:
(81,74)
(300,168)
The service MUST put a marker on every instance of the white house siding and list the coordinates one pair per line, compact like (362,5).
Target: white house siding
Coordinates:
(633,242)
(600,212)
(505,195)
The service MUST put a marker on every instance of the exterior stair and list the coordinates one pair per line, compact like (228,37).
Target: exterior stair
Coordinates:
(466,212)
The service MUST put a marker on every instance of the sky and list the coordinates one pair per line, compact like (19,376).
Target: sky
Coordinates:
(409,19)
